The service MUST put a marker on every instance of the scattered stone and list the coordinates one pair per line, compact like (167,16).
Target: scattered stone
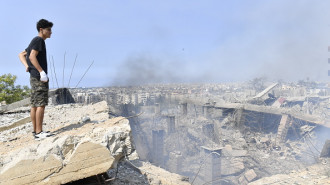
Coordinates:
(242,180)
(68,156)
(315,174)
(264,140)
(252,140)
(250,175)
(239,153)
(228,148)
(85,119)
(232,166)
(77,151)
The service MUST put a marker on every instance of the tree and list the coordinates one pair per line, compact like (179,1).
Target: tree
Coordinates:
(9,92)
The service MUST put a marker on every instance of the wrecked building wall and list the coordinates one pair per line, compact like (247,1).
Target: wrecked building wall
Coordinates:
(252,136)
(203,131)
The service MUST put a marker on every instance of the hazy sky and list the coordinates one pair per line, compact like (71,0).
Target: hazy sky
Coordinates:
(137,42)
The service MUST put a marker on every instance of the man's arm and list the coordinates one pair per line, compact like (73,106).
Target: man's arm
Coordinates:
(34,60)
(35,63)
(22,58)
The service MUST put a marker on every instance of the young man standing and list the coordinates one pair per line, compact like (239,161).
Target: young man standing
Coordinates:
(34,58)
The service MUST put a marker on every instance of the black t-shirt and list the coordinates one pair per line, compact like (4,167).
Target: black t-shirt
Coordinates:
(37,44)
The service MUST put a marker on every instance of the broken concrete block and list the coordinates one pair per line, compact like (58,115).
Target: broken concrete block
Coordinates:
(250,175)
(247,177)
(232,167)
(30,171)
(242,180)
(264,140)
(228,148)
(239,153)
(68,156)
(87,159)
(227,151)
(161,176)
(85,119)
(240,143)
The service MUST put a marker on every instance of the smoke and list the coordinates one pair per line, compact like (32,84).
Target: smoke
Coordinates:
(282,40)
(322,134)
(144,69)
(279,42)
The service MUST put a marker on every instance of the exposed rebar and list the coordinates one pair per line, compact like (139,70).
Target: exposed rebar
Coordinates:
(200,167)
(72,69)
(84,74)
(55,72)
(63,69)
(51,72)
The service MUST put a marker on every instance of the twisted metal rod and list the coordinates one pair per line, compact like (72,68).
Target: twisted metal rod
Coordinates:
(72,69)
(84,74)
(55,72)
(200,167)
(63,69)
(51,71)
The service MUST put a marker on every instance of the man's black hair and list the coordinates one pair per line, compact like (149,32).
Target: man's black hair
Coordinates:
(43,23)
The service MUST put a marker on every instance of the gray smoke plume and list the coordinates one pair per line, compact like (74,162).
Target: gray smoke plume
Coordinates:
(143,69)
(267,39)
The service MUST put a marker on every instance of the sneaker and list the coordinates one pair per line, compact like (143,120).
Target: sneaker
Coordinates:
(41,135)
(34,133)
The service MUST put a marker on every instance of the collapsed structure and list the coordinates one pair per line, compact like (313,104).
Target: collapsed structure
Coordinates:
(88,148)
(212,134)
(257,136)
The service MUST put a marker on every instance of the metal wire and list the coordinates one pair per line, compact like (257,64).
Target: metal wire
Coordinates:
(306,139)
(72,69)
(51,70)
(84,74)
(63,69)
(200,167)
(55,72)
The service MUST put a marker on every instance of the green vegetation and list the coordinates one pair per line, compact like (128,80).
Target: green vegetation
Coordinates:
(9,92)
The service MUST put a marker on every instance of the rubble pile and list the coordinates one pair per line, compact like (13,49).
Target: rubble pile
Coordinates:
(315,174)
(55,116)
(198,134)
(247,154)
(11,117)
(281,129)
(86,144)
